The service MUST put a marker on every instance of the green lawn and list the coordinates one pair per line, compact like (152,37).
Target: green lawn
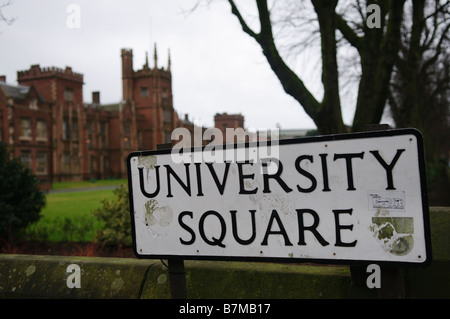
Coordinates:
(91,183)
(67,216)
(74,204)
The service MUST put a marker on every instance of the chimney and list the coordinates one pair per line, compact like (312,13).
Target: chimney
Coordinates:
(96,97)
(3,78)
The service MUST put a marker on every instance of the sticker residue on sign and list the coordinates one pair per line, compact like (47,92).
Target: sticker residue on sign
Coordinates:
(386,200)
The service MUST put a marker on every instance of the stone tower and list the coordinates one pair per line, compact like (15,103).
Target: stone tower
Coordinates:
(149,91)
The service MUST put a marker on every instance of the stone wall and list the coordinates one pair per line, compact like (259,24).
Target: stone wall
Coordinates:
(32,276)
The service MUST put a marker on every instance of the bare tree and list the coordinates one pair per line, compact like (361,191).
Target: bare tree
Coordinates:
(376,46)
(3,18)
(420,87)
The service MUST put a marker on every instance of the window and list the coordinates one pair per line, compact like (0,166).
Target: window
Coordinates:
(105,165)
(25,158)
(167,137)
(102,134)
(65,129)
(25,129)
(33,104)
(75,129)
(144,91)
(41,127)
(75,160)
(167,116)
(41,161)
(93,165)
(89,140)
(164,93)
(68,94)
(66,163)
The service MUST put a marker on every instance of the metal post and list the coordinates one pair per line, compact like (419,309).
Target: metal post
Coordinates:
(177,276)
(392,283)
(392,278)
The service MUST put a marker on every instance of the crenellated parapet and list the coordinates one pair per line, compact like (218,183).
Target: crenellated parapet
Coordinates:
(36,72)
(148,72)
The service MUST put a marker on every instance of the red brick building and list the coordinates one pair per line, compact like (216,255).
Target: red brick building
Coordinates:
(46,122)
(26,125)
(222,121)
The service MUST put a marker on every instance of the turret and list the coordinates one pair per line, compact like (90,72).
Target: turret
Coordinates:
(127,74)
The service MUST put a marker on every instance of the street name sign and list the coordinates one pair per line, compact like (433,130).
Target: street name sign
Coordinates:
(338,199)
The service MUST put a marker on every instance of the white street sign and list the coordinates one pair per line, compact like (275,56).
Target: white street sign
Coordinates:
(349,198)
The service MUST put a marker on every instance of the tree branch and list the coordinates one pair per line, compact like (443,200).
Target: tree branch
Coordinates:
(291,83)
(8,21)
(389,49)
(438,50)
(264,19)
(244,25)
(348,33)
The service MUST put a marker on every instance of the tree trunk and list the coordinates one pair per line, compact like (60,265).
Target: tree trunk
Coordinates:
(329,118)
(378,55)
(326,114)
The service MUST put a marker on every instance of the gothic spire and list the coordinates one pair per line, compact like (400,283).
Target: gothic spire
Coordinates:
(168,62)
(155,58)
(146,59)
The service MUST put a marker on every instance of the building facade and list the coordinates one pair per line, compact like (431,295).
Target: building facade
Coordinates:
(47,124)
(26,125)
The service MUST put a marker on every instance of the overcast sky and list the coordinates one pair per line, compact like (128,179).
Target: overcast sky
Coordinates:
(215,66)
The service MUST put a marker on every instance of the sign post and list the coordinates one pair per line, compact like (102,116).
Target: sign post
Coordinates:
(177,277)
(392,285)
(351,199)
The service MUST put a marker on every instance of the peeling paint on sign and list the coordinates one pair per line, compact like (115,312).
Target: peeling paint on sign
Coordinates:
(394,234)
(148,162)
(150,207)
(156,216)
